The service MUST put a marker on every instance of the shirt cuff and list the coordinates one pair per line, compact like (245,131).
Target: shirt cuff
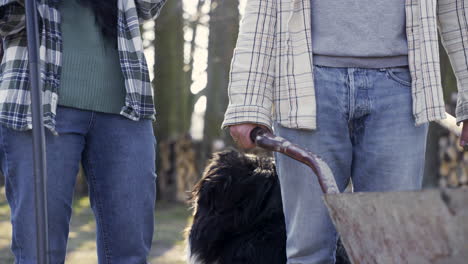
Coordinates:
(236,115)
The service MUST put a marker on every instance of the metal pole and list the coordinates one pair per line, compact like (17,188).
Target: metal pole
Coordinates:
(39,151)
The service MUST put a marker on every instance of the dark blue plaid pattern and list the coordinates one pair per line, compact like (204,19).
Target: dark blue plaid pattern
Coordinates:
(15,110)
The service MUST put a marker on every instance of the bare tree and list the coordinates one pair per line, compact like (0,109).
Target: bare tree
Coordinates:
(172,95)
(224,27)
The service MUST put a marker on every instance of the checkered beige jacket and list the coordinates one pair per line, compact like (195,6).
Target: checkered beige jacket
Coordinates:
(272,69)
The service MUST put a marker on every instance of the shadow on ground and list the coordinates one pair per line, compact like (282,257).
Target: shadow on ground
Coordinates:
(168,243)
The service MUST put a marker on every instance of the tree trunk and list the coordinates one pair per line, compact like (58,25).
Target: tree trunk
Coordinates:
(224,28)
(172,96)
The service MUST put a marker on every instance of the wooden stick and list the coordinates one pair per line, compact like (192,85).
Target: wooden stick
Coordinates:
(265,139)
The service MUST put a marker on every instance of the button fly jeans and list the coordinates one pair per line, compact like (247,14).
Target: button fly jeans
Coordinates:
(366,133)
(118,157)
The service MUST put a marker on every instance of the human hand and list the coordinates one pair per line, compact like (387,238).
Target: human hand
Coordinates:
(241,134)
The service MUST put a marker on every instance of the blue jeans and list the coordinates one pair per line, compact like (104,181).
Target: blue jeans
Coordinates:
(365,133)
(118,157)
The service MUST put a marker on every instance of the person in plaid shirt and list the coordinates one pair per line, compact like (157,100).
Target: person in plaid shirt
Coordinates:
(98,110)
(355,82)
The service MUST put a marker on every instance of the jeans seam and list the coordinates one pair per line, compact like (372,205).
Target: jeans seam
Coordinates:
(91,121)
(351,98)
(7,178)
(91,176)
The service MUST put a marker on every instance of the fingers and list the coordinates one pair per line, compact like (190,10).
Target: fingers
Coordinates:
(241,135)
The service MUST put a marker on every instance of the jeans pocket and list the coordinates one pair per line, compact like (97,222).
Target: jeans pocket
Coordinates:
(400,75)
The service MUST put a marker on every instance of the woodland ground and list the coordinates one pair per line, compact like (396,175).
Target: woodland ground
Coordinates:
(168,243)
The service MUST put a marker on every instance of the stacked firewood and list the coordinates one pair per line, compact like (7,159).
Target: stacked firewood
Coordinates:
(186,169)
(453,163)
(177,173)
(166,171)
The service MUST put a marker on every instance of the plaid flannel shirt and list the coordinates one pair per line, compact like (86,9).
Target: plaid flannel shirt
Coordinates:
(272,69)
(15,101)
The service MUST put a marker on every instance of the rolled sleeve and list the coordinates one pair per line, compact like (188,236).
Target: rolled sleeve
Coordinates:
(247,114)
(253,68)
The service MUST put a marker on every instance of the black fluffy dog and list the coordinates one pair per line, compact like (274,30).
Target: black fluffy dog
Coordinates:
(238,213)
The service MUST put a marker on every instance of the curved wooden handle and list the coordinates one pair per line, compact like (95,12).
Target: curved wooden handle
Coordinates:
(267,140)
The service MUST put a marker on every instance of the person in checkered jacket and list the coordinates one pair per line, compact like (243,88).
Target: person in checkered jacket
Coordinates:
(98,110)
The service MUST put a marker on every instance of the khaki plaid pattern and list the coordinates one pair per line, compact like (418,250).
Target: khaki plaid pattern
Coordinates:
(272,69)
(15,101)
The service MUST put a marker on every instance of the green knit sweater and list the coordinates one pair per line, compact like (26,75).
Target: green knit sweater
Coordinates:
(91,76)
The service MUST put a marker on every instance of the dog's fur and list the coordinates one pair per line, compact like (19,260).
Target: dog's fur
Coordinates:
(238,213)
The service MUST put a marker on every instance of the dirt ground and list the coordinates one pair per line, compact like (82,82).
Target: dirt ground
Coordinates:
(168,243)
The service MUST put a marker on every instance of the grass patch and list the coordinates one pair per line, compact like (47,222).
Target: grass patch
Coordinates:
(168,242)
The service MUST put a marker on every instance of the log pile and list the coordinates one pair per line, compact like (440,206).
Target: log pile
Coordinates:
(166,171)
(453,163)
(186,169)
(177,173)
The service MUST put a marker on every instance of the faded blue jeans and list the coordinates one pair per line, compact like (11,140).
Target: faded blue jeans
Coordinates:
(118,157)
(366,133)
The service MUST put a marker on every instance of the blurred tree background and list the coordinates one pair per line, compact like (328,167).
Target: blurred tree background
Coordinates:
(189,50)
(193,44)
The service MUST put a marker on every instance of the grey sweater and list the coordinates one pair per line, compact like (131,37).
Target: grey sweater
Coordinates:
(359,33)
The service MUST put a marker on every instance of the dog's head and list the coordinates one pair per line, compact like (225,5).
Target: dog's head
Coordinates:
(237,193)
(235,184)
